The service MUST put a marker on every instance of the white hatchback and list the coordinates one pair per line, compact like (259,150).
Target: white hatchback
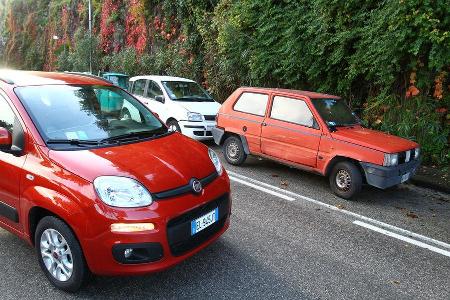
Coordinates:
(181,103)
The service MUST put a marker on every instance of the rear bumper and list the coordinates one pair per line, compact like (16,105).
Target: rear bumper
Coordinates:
(217,134)
(384,177)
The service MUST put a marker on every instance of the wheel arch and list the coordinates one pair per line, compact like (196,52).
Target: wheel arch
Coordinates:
(337,159)
(46,202)
(243,139)
(171,119)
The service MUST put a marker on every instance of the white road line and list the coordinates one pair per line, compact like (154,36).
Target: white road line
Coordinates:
(402,238)
(408,233)
(262,189)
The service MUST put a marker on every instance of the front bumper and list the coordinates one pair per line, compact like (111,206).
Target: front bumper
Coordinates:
(197,130)
(169,243)
(384,177)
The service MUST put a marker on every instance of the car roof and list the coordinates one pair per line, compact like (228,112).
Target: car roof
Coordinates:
(312,95)
(115,74)
(160,78)
(27,78)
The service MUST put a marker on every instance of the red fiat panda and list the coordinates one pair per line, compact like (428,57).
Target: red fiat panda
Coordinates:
(97,191)
(314,132)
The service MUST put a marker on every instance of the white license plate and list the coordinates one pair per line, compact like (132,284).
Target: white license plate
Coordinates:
(204,221)
(210,127)
(405,177)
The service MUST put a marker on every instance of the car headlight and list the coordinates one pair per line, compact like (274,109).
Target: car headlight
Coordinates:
(215,160)
(122,192)
(390,159)
(194,117)
(416,153)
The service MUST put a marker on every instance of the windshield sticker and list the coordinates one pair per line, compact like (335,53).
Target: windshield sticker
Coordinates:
(71,135)
(82,135)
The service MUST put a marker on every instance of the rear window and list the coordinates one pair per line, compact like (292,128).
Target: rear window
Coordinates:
(252,103)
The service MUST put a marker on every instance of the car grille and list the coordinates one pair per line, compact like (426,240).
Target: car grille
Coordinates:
(179,229)
(404,157)
(202,133)
(210,117)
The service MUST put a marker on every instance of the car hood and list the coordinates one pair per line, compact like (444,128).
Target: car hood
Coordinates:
(160,164)
(373,139)
(204,108)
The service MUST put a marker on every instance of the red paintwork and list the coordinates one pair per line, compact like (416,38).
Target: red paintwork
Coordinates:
(304,147)
(5,137)
(63,185)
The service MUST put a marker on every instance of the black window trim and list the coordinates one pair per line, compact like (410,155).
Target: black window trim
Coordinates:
(145,87)
(149,81)
(269,115)
(259,93)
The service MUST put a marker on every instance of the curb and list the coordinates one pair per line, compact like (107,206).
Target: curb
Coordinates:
(430,185)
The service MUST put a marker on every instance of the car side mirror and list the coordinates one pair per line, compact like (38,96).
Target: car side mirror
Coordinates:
(5,139)
(160,98)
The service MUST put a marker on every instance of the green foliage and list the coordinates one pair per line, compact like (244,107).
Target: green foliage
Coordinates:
(415,119)
(77,58)
(372,53)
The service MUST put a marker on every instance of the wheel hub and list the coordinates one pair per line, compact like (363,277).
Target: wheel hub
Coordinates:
(343,180)
(56,255)
(233,150)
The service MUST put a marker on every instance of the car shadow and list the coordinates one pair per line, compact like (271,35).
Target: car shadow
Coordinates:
(220,271)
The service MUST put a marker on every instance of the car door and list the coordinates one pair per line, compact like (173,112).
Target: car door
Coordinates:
(291,132)
(10,168)
(248,113)
(158,107)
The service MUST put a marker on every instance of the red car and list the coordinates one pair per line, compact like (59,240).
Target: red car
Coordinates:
(98,192)
(313,132)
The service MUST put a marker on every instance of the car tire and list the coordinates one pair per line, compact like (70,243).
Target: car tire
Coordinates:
(234,151)
(345,180)
(60,255)
(174,126)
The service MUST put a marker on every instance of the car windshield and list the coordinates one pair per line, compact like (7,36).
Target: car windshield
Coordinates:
(335,112)
(75,115)
(186,91)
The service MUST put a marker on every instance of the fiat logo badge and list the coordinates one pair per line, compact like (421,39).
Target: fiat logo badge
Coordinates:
(196,186)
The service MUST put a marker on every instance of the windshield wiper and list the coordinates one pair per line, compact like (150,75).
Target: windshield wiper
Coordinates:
(134,135)
(75,142)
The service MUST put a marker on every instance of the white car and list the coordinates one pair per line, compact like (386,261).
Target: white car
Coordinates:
(182,103)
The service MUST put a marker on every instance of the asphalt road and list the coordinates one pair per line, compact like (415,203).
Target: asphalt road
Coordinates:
(290,238)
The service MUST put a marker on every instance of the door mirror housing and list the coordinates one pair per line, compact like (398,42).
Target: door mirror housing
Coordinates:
(160,98)
(5,139)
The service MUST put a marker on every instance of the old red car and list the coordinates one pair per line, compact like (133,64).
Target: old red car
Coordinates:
(98,192)
(313,132)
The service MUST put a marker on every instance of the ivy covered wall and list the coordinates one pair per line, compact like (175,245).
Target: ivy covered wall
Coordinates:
(390,59)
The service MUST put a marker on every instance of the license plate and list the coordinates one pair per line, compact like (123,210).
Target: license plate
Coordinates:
(204,221)
(405,177)
(209,127)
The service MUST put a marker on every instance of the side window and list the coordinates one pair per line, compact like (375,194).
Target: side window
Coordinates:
(252,103)
(7,117)
(139,87)
(292,110)
(153,90)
